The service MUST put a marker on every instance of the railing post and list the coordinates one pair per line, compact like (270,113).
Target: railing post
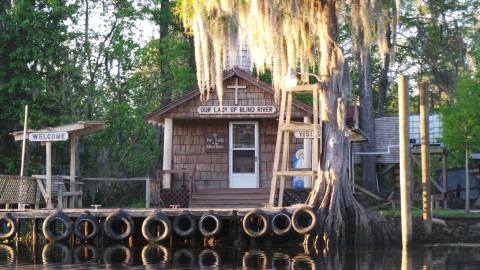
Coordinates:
(147,192)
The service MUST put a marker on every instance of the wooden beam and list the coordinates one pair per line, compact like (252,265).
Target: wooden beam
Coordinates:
(444,178)
(73,156)
(276,156)
(424,134)
(286,149)
(405,200)
(167,151)
(368,193)
(48,168)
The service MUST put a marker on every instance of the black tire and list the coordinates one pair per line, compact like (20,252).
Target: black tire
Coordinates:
(156,218)
(108,257)
(127,222)
(47,253)
(209,225)
(9,220)
(249,226)
(185,229)
(67,227)
(281,223)
(77,227)
(301,226)
(78,254)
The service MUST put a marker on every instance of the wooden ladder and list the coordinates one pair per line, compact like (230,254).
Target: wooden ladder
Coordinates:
(285,128)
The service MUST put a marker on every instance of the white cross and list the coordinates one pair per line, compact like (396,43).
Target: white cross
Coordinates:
(236,87)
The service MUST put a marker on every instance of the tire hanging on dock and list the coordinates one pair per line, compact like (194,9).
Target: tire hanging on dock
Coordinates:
(255,223)
(209,225)
(185,225)
(49,222)
(118,216)
(153,219)
(11,224)
(281,223)
(87,219)
(304,220)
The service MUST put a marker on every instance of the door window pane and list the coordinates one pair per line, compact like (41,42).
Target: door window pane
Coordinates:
(243,136)
(244,161)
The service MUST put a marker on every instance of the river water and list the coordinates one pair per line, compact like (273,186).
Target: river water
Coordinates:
(61,256)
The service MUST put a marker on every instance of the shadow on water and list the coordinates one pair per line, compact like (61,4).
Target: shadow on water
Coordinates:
(155,256)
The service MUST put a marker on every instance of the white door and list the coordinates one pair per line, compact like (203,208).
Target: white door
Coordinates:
(243,155)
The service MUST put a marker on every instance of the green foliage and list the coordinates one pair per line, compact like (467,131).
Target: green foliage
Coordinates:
(66,73)
(461,125)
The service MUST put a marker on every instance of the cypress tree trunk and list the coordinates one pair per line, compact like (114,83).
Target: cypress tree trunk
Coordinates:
(367,123)
(342,220)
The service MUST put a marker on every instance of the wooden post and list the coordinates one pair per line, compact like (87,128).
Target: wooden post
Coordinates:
(426,203)
(73,150)
(286,149)
(167,151)
(48,151)
(276,156)
(307,153)
(444,177)
(467,182)
(24,141)
(405,202)
(147,192)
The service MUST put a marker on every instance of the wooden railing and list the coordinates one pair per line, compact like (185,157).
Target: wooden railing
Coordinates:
(191,179)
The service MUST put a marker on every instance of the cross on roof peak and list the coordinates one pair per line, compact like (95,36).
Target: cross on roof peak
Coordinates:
(236,87)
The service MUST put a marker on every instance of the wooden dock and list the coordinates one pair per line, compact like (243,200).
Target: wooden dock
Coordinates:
(139,212)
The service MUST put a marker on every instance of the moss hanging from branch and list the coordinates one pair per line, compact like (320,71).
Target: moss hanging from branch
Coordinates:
(283,35)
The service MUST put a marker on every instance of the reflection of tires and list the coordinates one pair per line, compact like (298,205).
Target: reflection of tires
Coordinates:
(154,254)
(185,225)
(183,258)
(85,254)
(117,254)
(163,223)
(10,223)
(280,261)
(86,219)
(49,230)
(281,223)
(9,257)
(122,220)
(209,225)
(303,262)
(208,258)
(255,223)
(304,220)
(49,253)
(254,259)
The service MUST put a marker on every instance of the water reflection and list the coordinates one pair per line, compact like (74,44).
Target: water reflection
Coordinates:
(155,256)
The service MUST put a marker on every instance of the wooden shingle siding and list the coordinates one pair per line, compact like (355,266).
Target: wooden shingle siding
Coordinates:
(212,168)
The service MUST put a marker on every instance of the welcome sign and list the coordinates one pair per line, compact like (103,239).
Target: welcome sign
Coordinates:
(48,136)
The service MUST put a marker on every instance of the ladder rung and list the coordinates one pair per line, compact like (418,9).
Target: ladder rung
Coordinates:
(293,126)
(296,173)
(305,88)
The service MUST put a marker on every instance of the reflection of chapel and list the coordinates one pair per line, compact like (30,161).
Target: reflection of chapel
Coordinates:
(230,148)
